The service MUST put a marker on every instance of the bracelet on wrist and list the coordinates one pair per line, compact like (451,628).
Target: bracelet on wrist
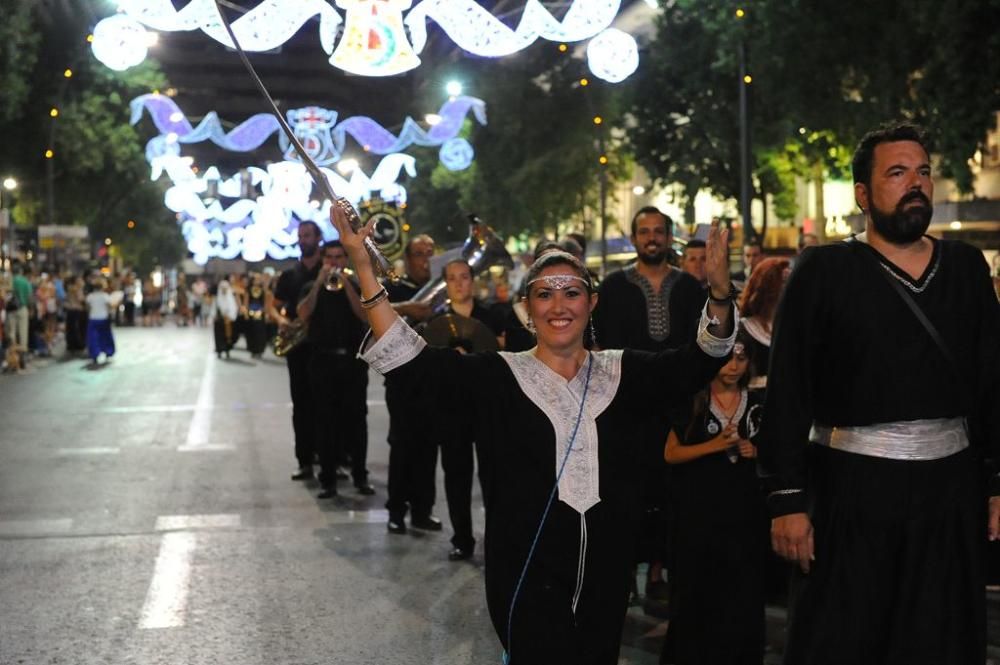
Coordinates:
(380,295)
(729,297)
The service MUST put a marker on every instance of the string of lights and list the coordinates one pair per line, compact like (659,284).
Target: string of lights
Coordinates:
(373,40)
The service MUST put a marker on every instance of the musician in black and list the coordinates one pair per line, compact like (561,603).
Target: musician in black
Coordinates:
(283,310)
(412,451)
(456,441)
(331,309)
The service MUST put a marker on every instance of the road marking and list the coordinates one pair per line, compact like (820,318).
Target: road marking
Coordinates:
(34,527)
(205,448)
(177,522)
(166,600)
(69,452)
(201,420)
(363,516)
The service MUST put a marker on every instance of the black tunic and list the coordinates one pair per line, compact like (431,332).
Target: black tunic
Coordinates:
(622,318)
(517,445)
(847,351)
(720,548)
(898,574)
(289,287)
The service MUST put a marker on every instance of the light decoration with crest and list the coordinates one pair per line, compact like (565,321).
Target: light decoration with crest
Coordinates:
(371,38)
(260,224)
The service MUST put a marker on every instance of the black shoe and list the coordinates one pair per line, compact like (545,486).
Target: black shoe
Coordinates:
(429,523)
(365,489)
(328,492)
(396,527)
(459,554)
(304,473)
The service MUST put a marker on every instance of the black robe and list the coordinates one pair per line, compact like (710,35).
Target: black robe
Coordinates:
(517,443)
(720,547)
(898,571)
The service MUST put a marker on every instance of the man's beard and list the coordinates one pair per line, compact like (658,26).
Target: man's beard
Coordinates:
(653,259)
(308,251)
(904,225)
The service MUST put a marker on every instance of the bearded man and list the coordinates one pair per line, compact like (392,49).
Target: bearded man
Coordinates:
(651,306)
(284,310)
(882,402)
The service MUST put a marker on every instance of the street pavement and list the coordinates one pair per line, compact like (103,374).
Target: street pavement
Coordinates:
(147,516)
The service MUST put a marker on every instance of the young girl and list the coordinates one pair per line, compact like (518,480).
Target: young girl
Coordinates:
(721,527)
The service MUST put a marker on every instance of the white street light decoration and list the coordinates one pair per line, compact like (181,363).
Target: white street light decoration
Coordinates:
(613,55)
(120,42)
(373,41)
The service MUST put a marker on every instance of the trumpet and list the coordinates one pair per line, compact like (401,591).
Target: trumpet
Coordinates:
(335,280)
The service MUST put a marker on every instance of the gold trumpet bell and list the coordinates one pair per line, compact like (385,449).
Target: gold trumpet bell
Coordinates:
(335,282)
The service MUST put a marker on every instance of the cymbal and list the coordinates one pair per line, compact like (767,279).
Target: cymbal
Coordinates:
(453,330)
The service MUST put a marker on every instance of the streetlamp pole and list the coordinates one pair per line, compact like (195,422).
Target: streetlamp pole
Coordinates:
(748,230)
(9,184)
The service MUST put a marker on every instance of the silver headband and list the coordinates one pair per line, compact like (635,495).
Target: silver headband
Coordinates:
(559,281)
(739,349)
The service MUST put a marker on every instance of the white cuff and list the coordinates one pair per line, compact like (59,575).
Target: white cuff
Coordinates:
(716,347)
(398,346)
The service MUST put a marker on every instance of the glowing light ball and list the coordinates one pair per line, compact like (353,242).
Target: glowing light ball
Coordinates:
(120,42)
(613,55)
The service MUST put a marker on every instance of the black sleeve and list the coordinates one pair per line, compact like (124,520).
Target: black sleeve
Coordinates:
(798,331)
(692,302)
(668,379)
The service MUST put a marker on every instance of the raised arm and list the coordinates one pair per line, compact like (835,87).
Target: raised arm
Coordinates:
(374,298)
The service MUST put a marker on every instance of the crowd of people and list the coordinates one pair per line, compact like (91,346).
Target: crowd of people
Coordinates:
(800,427)
(659,416)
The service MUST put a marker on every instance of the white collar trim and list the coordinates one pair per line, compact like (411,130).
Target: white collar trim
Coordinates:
(559,400)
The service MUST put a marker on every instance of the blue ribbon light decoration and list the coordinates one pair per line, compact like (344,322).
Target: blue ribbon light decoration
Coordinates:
(257,225)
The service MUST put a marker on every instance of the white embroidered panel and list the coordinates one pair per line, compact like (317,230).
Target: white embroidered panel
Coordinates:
(398,346)
(717,347)
(579,487)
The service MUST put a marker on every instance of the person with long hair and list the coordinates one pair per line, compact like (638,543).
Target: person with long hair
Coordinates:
(758,304)
(556,421)
(720,526)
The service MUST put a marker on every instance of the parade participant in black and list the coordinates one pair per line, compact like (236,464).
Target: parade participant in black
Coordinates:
(412,452)
(558,420)
(650,306)
(884,511)
(720,526)
(256,327)
(456,444)
(284,310)
(331,309)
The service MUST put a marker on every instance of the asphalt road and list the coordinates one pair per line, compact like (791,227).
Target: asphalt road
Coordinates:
(147,516)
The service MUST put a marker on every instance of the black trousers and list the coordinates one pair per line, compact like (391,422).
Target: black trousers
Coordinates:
(303,409)
(412,461)
(340,387)
(899,572)
(457,454)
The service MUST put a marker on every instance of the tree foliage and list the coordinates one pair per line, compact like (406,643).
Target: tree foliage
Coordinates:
(536,161)
(99,175)
(823,75)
